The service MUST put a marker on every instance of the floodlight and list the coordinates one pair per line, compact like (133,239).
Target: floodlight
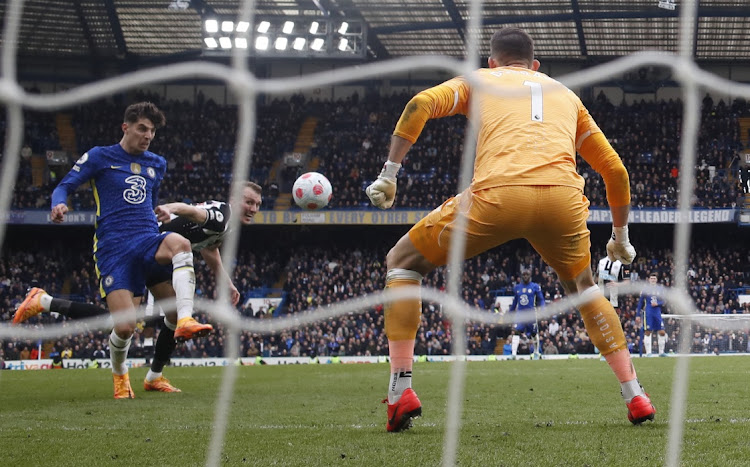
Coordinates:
(211,25)
(287,36)
(261,42)
(667,5)
(317,44)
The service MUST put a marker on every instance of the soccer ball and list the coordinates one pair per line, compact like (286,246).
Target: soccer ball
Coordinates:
(312,191)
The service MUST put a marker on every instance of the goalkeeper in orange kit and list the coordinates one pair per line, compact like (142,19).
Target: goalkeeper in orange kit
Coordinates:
(525,185)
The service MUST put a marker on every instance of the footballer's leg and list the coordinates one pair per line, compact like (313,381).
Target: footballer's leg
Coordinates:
(515,341)
(165,344)
(121,305)
(32,305)
(417,253)
(176,249)
(605,330)
(648,342)
(564,244)
(406,267)
(661,339)
(38,301)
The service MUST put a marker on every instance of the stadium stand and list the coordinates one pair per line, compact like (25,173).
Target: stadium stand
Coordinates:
(338,268)
(199,142)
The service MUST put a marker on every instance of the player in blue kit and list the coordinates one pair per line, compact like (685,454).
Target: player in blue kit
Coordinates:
(125,179)
(653,321)
(526,296)
(205,225)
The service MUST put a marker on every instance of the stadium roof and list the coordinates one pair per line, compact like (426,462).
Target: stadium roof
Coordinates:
(593,30)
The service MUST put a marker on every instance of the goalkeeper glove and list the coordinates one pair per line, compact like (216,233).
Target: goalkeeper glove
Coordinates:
(382,192)
(619,247)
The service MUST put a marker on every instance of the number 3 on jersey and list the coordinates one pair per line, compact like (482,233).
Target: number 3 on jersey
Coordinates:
(136,194)
(537,109)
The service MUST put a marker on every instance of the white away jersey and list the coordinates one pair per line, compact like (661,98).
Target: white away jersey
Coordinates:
(208,234)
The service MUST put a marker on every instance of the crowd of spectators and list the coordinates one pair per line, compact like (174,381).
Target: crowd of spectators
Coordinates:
(350,145)
(335,266)
(351,140)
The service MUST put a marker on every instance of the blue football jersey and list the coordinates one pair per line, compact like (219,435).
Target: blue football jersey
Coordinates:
(125,189)
(524,295)
(652,302)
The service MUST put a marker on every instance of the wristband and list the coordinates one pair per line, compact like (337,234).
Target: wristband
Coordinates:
(390,169)
(620,234)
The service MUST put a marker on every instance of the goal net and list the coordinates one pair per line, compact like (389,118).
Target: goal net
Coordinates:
(247,87)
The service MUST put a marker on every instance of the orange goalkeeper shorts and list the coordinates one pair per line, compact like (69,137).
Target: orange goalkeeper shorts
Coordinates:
(551,218)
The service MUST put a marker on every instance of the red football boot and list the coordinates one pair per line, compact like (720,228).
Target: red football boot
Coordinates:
(640,409)
(403,411)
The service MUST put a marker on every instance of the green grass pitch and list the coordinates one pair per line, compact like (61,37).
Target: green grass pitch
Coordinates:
(562,412)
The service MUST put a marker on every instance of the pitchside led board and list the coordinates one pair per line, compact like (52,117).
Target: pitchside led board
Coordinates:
(409,217)
(394,217)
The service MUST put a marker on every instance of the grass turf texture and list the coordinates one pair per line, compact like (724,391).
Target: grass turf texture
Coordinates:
(563,412)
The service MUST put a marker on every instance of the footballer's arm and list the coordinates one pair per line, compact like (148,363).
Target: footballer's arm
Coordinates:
(597,151)
(81,172)
(186,211)
(445,99)
(212,257)
(449,98)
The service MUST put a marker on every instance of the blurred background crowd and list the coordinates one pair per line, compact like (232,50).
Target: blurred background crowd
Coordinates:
(311,268)
(349,140)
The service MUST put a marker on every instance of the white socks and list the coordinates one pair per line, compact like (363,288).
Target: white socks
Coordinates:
(45,301)
(183,282)
(631,389)
(661,341)
(514,341)
(118,353)
(400,382)
(151,376)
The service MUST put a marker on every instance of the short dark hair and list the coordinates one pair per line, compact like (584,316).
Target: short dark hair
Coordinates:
(148,110)
(509,44)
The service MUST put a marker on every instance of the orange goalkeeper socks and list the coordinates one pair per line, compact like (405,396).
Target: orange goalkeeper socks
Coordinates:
(402,318)
(605,331)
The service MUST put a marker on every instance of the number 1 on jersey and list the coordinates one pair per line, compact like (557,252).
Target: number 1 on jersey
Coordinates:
(537,109)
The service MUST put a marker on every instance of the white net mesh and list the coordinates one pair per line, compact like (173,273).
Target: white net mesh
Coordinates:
(247,87)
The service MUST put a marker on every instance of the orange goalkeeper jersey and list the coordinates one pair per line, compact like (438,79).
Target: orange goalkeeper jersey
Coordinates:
(530,128)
